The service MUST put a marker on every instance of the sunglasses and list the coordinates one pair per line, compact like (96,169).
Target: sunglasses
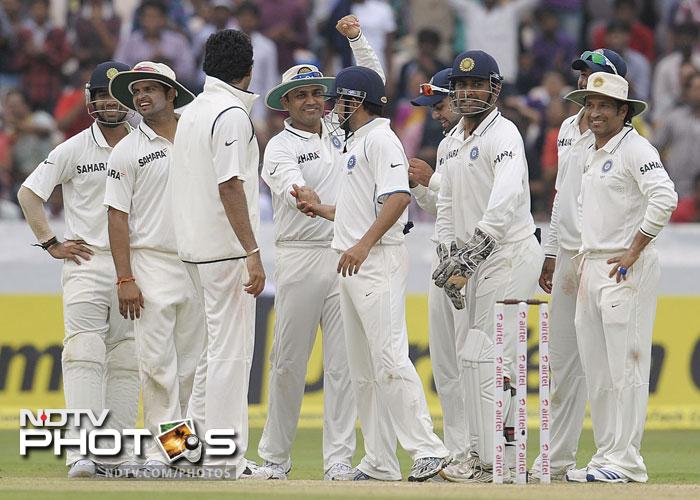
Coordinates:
(599,59)
(429,89)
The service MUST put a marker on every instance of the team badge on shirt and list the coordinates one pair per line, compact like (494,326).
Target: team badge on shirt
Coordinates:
(474,153)
(607,166)
(351,162)
(336,142)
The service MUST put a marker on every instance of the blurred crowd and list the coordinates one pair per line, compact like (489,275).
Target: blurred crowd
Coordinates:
(48,49)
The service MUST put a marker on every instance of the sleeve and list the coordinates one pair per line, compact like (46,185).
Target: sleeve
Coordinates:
(551,244)
(510,174)
(54,170)
(390,166)
(231,133)
(121,179)
(656,186)
(427,197)
(280,170)
(365,55)
(444,225)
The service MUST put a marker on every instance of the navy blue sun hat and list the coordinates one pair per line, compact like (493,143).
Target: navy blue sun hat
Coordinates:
(358,81)
(601,60)
(441,80)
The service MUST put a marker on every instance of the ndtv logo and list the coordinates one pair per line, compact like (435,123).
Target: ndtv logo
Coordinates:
(45,428)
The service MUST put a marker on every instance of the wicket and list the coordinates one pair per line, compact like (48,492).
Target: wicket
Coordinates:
(520,378)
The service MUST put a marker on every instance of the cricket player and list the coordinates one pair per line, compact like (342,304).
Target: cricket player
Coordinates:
(152,283)
(214,200)
(99,354)
(370,216)
(560,278)
(308,152)
(425,186)
(484,200)
(626,199)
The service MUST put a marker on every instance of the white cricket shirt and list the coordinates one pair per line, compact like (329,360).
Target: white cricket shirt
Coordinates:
(215,142)
(80,166)
(375,167)
(624,189)
(485,183)
(137,180)
(572,149)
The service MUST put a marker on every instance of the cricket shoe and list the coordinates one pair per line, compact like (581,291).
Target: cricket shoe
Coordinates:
(82,468)
(535,476)
(484,474)
(354,474)
(126,469)
(336,470)
(425,468)
(278,471)
(460,471)
(603,475)
(577,475)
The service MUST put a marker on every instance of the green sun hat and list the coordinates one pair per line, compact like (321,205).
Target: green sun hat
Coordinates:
(120,84)
(301,75)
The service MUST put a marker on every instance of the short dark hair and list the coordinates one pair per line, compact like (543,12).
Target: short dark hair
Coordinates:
(249,7)
(155,4)
(228,55)
(630,111)
(427,35)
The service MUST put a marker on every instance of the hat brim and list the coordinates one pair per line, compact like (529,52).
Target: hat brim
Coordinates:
(427,100)
(119,87)
(272,99)
(579,97)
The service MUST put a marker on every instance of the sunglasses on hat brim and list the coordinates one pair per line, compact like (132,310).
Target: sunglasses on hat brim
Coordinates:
(599,59)
(428,89)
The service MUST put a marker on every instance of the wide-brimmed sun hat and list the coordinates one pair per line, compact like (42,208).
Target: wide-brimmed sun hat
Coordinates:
(301,75)
(609,85)
(120,85)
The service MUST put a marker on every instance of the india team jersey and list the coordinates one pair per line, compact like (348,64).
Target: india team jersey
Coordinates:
(80,166)
(375,167)
(485,183)
(137,181)
(624,189)
(297,157)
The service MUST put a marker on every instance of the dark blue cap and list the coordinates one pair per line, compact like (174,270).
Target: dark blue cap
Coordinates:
(585,61)
(475,64)
(440,79)
(104,72)
(361,79)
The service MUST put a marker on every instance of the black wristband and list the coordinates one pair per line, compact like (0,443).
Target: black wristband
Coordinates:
(47,244)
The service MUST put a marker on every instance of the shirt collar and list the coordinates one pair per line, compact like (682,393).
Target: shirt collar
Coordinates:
(302,133)
(212,84)
(371,125)
(99,137)
(615,141)
(481,128)
(147,131)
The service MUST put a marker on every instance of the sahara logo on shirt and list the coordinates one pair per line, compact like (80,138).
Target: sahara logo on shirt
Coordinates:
(565,142)
(156,155)
(115,174)
(92,167)
(501,156)
(652,165)
(303,158)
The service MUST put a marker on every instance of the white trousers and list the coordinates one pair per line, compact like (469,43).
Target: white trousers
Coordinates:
(169,336)
(100,370)
(307,296)
(390,399)
(220,394)
(510,272)
(442,341)
(568,383)
(615,322)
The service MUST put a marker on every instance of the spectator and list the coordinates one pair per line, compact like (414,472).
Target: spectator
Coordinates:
(569,14)
(688,209)
(158,43)
(433,14)
(71,113)
(425,60)
(492,26)
(678,138)
(219,17)
(96,32)
(42,50)
(617,38)
(10,24)
(553,49)
(410,121)
(641,37)
(667,85)
(285,23)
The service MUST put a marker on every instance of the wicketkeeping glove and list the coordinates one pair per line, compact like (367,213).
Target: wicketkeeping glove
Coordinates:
(452,291)
(466,259)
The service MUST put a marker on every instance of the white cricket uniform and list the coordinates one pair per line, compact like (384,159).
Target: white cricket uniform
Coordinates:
(625,189)
(170,332)
(99,354)
(442,332)
(390,399)
(306,295)
(568,382)
(215,142)
(485,185)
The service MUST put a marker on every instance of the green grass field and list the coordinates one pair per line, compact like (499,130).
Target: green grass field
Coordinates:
(672,457)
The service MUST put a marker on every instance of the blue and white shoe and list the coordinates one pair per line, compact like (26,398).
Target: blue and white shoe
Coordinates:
(425,468)
(82,468)
(354,474)
(577,475)
(604,475)
(336,470)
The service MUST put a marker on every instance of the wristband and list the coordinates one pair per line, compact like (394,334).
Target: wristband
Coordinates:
(253,251)
(121,281)
(356,38)
(47,244)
